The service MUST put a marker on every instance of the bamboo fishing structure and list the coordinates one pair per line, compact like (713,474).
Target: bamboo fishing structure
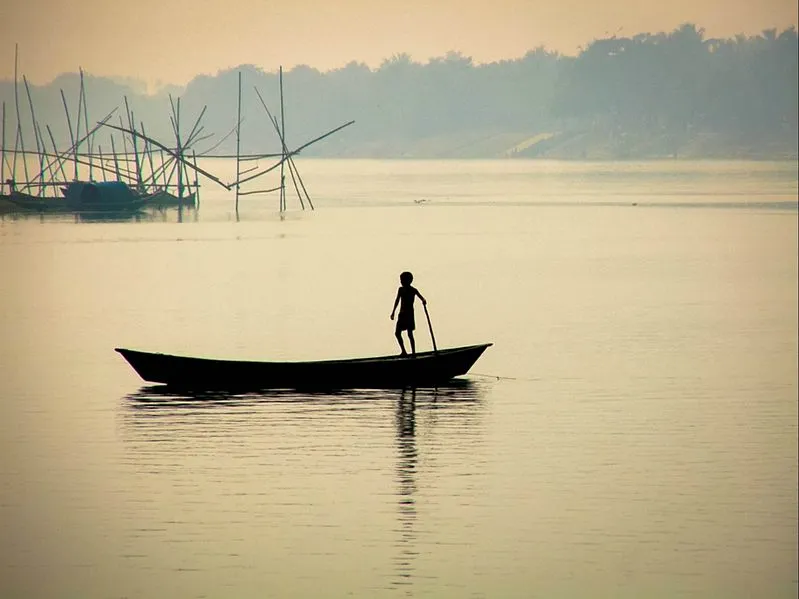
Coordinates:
(286,156)
(143,164)
(42,189)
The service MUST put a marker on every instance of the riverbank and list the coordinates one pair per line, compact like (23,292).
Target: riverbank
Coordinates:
(574,144)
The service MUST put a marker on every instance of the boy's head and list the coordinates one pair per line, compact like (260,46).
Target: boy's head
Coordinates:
(406,278)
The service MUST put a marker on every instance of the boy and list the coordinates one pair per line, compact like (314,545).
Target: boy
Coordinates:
(405,322)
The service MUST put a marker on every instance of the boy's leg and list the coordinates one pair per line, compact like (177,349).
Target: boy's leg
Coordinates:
(398,335)
(413,341)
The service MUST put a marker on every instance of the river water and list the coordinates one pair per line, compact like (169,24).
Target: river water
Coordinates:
(631,433)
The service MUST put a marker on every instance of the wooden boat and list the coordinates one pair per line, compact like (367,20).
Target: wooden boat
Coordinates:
(34,203)
(84,196)
(425,369)
(102,196)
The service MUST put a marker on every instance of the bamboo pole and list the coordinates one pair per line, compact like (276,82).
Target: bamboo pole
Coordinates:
(49,167)
(163,167)
(244,157)
(71,134)
(42,156)
(180,153)
(251,169)
(80,115)
(55,149)
(292,170)
(124,143)
(196,138)
(238,147)
(39,148)
(89,140)
(186,179)
(196,181)
(179,164)
(149,151)
(173,120)
(203,137)
(160,171)
(282,134)
(304,190)
(33,112)
(14,162)
(132,125)
(223,139)
(3,153)
(116,159)
(172,165)
(102,161)
(258,191)
(196,129)
(20,137)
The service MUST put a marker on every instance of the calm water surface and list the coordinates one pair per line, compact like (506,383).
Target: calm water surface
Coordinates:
(632,432)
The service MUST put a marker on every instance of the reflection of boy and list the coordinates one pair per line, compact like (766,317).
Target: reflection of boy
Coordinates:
(405,321)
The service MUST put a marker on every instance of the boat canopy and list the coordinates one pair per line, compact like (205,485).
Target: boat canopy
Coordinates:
(98,192)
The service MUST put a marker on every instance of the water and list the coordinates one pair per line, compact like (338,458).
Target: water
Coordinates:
(632,432)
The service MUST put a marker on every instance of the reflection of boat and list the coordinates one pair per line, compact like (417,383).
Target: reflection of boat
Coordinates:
(438,435)
(425,369)
(407,464)
(165,199)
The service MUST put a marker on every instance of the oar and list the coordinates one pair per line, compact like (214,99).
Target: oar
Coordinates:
(432,336)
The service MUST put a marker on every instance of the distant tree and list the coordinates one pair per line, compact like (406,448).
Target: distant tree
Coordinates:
(670,87)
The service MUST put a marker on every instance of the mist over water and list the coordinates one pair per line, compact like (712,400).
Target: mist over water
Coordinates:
(631,433)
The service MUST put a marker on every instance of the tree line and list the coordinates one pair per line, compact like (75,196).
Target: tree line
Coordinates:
(676,93)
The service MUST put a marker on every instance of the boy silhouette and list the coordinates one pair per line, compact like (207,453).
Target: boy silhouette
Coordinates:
(405,322)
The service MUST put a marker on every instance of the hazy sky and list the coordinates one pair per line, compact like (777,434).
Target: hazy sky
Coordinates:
(170,41)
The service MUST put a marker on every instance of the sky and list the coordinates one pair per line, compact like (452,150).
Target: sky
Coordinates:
(170,41)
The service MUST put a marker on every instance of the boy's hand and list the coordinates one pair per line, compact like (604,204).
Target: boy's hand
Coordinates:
(392,316)
(424,302)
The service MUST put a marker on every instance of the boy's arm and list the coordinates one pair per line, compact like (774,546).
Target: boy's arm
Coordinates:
(396,303)
(421,297)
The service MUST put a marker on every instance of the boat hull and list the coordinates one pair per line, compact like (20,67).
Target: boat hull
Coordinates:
(81,196)
(426,369)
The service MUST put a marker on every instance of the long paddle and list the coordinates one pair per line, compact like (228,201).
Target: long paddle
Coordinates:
(432,336)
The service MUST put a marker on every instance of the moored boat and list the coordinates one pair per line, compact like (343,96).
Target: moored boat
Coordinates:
(425,369)
(84,196)
(30,202)
(102,196)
